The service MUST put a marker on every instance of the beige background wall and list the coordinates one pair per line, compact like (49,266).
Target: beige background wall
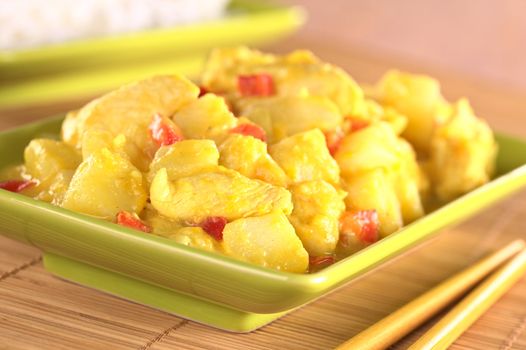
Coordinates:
(480,38)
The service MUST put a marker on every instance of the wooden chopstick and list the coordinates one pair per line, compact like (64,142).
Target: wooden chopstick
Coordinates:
(398,324)
(451,326)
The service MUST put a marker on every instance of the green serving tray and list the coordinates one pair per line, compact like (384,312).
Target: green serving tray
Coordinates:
(89,67)
(198,285)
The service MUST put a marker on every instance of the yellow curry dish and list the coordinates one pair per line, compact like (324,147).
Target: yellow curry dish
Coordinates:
(280,161)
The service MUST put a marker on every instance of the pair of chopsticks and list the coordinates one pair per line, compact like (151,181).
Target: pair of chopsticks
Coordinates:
(401,322)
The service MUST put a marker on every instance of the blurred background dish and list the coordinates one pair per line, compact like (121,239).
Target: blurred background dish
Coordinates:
(89,66)
(27,24)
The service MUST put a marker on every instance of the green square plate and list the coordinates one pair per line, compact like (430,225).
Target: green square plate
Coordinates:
(198,285)
(89,67)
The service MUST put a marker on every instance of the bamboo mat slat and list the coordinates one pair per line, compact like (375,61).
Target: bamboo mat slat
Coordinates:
(15,255)
(39,307)
(39,311)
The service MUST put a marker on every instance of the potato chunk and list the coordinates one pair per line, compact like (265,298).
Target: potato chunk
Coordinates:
(207,117)
(185,158)
(222,192)
(283,116)
(317,210)
(305,157)
(374,190)
(268,241)
(372,147)
(249,156)
(52,163)
(463,153)
(129,111)
(105,184)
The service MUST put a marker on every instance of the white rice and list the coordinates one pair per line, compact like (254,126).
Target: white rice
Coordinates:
(33,23)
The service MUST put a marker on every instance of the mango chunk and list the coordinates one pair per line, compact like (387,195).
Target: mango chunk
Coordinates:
(185,158)
(284,116)
(407,182)
(207,117)
(374,190)
(305,157)
(105,184)
(52,163)
(268,241)
(462,153)
(317,210)
(418,97)
(372,147)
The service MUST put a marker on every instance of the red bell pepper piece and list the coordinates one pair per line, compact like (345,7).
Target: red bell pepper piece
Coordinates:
(250,130)
(163,133)
(16,185)
(334,140)
(358,123)
(363,224)
(214,226)
(202,91)
(315,261)
(127,219)
(256,85)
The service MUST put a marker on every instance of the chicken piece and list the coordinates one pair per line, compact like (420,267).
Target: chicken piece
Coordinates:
(207,117)
(373,190)
(222,192)
(305,157)
(284,116)
(292,74)
(268,241)
(93,140)
(369,148)
(249,156)
(317,210)
(105,184)
(462,154)
(417,97)
(185,158)
(129,111)
(52,163)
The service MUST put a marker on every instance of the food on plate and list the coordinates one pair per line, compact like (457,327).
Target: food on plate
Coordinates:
(280,161)
(27,24)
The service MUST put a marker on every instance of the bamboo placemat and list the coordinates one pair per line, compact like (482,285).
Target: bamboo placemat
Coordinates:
(39,311)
